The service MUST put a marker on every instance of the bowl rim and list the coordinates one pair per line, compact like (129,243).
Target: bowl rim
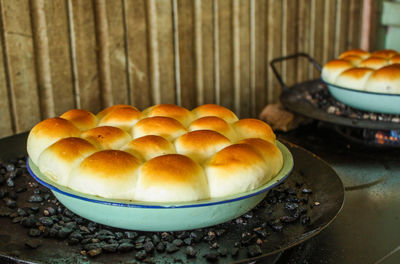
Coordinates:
(285,171)
(358,91)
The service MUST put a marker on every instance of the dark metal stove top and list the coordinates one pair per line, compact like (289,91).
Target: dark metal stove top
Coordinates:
(368,228)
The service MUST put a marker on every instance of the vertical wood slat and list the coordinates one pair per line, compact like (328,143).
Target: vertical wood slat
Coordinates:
(138,55)
(354,28)
(317,35)
(59,55)
(303,38)
(6,109)
(21,63)
(82,14)
(42,58)
(186,52)
(225,53)
(274,45)
(342,26)
(244,58)
(289,41)
(207,52)
(117,52)
(260,56)
(329,30)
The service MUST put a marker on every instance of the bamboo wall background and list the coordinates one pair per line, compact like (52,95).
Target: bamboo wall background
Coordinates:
(62,54)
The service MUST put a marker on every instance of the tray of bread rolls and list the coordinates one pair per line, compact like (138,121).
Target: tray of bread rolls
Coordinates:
(366,81)
(129,169)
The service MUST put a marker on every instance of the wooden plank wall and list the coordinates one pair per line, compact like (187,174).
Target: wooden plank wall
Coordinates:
(61,54)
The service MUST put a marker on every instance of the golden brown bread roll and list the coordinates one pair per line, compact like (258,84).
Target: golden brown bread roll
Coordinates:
(166,127)
(122,117)
(107,173)
(148,147)
(58,160)
(106,137)
(127,154)
(201,144)
(215,110)
(333,69)
(235,169)
(171,178)
(254,128)
(386,79)
(354,78)
(356,52)
(353,59)
(48,132)
(216,124)
(169,110)
(376,72)
(82,119)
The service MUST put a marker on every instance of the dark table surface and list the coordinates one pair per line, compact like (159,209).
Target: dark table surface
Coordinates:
(368,228)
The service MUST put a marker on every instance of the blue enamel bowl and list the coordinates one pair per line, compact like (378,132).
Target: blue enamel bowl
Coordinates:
(367,101)
(145,216)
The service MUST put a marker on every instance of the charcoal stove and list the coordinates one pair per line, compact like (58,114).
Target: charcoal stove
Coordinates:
(313,100)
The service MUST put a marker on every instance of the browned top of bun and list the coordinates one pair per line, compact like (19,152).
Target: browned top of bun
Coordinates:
(265,148)
(104,136)
(215,110)
(109,164)
(353,59)
(357,52)
(387,53)
(82,119)
(237,154)
(251,127)
(387,73)
(55,127)
(70,148)
(395,59)
(169,110)
(170,168)
(202,139)
(158,125)
(338,64)
(104,112)
(356,73)
(373,62)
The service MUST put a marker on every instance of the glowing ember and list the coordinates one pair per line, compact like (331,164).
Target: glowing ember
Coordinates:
(389,136)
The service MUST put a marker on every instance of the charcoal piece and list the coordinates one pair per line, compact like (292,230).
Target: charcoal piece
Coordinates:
(261,233)
(197,236)
(92,246)
(167,237)
(10,203)
(160,247)
(50,211)
(210,236)
(110,248)
(234,251)
(54,218)
(139,245)
(190,252)
(46,196)
(21,212)
(140,255)
(140,239)
(275,225)
(46,221)
(3,193)
(305,220)
(220,232)
(177,242)
(119,235)
(148,246)
(155,239)
(188,241)
(171,248)
(33,243)
(253,251)
(130,235)
(64,232)
(291,207)
(125,240)
(35,209)
(303,210)
(34,232)
(212,256)
(125,247)
(95,252)
(287,219)
(36,191)
(17,219)
(246,238)
(35,199)
(76,235)
(306,191)
(248,215)
(182,235)
(68,213)
(10,167)
(304,200)
(4,211)
(223,251)
(84,229)
(215,245)
(10,183)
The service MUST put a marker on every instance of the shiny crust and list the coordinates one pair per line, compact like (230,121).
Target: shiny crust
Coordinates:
(163,158)
(106,137)
(353,59)
(82,119)
(334,68)
(382,77)
(215,110)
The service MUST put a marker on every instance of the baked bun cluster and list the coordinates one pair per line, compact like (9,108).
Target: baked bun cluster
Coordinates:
(378,71)
(165,153)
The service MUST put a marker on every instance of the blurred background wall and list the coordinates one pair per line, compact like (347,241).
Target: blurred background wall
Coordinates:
(62,54)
